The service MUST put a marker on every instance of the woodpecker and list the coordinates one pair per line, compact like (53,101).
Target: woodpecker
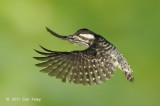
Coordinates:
(92,66)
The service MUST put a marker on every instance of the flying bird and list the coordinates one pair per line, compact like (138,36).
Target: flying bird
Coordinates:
(92,66)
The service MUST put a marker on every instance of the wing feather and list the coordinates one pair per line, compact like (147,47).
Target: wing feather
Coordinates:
(65,70)
(51,61)
(88,71)
(43,53)
(46,49)
(73,70)
(83,68)
(80,67)
(59,65)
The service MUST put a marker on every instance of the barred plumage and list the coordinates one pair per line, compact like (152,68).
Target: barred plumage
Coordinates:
(92,66)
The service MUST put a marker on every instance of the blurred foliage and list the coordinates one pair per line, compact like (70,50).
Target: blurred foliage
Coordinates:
(131,25)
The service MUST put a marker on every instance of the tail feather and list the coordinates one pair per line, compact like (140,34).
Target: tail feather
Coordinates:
(125,67)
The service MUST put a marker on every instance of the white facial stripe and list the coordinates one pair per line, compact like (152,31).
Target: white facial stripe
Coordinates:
(89,36)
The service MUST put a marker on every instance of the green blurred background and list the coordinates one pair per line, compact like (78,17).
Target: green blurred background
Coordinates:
(133,26)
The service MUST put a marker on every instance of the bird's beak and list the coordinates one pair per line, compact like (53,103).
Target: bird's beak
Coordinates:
(56,35)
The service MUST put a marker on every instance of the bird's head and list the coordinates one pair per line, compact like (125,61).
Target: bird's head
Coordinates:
(82,37)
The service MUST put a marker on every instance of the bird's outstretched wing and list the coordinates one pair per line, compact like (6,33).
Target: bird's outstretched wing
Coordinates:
(81,67)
